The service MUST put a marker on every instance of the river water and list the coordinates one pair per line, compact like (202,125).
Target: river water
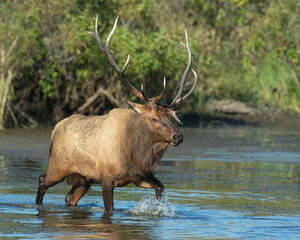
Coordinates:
(222,183)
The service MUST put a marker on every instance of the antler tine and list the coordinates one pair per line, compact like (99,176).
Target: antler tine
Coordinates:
(145,96)
(191,90)
(96,35)
(193,87)
(106,50)
(178,98)
(126,64)
(160,96)
(108,40)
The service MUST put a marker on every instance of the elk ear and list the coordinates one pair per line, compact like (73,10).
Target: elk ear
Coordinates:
(137,107)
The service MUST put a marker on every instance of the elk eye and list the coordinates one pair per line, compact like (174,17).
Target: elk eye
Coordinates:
(155,120)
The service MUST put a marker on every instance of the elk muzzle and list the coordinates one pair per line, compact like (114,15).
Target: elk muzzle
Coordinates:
(177,139)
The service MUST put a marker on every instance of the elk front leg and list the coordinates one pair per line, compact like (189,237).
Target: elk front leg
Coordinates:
(151,182)
(107,192)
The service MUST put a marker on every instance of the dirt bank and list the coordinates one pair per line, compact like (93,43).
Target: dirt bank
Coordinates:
(230,112)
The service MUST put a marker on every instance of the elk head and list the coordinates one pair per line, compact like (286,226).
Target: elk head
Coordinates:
(159,117)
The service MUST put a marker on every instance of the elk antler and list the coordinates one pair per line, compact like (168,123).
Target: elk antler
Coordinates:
(150,102)
(178,98)
(160,96)
(106,50)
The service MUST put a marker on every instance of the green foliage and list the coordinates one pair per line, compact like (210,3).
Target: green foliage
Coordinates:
(242,49)
(277,84)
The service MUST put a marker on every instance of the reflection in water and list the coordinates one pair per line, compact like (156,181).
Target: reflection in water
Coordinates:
(239,183)
(80,223)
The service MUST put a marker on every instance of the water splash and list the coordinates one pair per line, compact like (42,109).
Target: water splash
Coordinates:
(150,206)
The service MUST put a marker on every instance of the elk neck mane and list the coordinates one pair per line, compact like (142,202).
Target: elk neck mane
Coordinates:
(143,154)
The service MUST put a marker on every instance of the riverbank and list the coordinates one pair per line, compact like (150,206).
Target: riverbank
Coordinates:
(230,112)
(221,113)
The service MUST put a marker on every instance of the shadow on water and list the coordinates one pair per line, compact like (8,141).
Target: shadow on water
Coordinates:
(226,183)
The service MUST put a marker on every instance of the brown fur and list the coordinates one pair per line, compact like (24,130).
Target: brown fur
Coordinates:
(114,150)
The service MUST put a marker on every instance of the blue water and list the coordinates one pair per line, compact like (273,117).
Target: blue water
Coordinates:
(224,183)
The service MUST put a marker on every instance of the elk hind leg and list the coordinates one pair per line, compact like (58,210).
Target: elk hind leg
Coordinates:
(79,189)
(76,193)
(45,182)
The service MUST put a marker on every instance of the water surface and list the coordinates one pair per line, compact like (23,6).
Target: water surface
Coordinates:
(224,183)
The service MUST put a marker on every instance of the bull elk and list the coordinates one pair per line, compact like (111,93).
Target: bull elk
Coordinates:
(121,147)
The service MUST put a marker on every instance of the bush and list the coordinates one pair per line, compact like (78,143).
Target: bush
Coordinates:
(242,49)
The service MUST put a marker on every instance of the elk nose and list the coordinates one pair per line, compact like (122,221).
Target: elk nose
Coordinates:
(177,138)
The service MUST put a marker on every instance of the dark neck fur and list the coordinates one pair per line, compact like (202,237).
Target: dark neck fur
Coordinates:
(143,155)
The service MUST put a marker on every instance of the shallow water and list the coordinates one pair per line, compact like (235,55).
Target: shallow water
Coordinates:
(224,183)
